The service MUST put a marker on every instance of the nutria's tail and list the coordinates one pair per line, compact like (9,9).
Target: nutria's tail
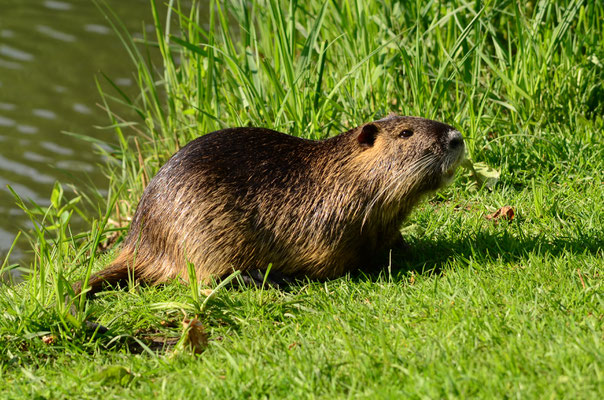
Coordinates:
(117,272)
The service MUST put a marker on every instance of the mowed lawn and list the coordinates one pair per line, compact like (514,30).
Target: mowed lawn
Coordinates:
(481,306)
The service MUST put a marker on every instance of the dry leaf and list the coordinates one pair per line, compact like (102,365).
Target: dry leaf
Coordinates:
(49,339)
(505,212)
(206,292)
(196,336)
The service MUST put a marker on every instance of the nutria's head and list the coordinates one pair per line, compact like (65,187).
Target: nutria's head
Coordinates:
(410,156)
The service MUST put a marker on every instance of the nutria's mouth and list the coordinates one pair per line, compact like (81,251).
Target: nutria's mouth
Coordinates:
(450,164)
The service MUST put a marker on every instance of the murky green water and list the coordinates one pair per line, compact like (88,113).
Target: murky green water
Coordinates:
(50,52)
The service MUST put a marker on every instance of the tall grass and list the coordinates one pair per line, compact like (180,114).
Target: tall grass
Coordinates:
(522,81)
(516,79)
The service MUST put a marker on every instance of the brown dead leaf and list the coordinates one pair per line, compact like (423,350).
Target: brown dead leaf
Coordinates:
(206,292)
(292,345)
(505,212)
(195,335)
(49,339)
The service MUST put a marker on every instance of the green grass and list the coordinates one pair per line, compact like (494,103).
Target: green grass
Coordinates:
(507,309)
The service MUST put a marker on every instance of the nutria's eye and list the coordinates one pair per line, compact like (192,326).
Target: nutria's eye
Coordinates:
(406,133)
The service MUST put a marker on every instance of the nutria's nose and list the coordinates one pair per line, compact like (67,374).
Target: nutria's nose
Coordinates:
(455,139)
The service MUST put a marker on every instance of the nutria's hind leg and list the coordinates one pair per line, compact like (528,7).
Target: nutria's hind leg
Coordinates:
(257,278)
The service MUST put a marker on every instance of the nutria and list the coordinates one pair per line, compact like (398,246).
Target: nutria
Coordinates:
(244,198)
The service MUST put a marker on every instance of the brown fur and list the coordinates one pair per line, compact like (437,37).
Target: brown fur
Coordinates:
(239,199)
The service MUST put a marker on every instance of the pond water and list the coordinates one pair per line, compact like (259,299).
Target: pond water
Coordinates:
(50,53)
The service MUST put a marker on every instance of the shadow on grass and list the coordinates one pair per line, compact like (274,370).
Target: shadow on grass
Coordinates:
(431,256)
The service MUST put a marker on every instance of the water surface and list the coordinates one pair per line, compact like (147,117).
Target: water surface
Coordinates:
(50,53)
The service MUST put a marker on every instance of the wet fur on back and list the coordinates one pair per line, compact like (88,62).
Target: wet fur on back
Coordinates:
(244,198)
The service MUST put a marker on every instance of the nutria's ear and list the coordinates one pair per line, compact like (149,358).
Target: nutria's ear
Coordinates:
(367,136)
